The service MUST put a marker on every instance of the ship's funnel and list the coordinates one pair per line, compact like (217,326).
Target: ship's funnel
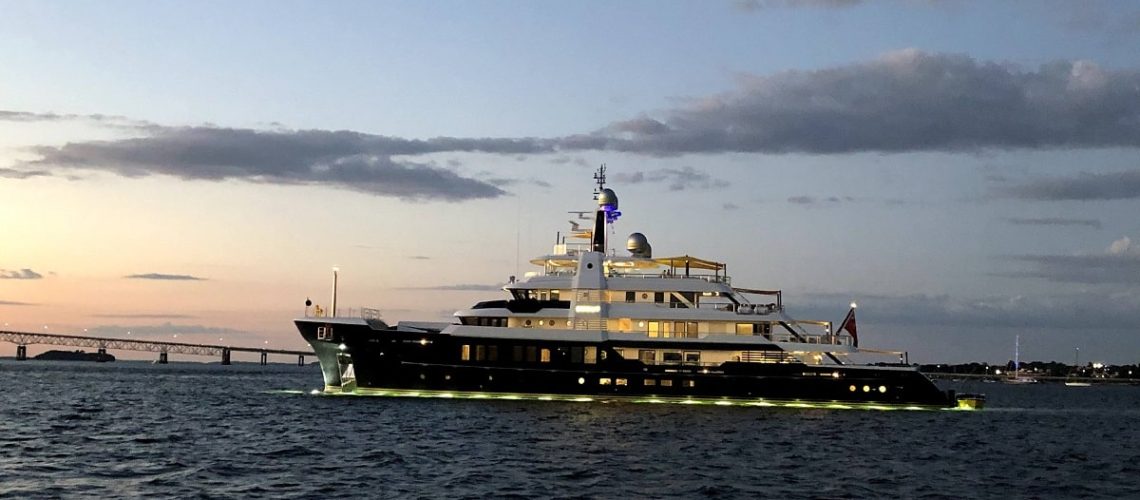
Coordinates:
(639,246)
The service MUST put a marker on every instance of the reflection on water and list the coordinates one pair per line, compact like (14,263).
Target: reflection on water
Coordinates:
(134,429)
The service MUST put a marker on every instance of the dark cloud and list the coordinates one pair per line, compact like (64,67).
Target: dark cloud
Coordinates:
(1081,187)
(731,206)
(344,159)
(1053,221)
(678,179)
(904,101)
(1118,265)
(160,276)
(419,257)
(22,274)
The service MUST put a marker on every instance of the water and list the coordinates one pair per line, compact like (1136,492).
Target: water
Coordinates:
(128,429)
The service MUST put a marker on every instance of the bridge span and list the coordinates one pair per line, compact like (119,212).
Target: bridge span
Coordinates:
(102,344)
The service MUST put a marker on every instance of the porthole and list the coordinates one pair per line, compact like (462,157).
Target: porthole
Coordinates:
(527,322)
(541,322)
(581,380)
(866,388)
(883,389)
(853,388)
(589,265)
(423,377)
(645,295)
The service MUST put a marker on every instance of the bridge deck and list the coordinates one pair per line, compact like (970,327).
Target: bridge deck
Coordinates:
(28,338)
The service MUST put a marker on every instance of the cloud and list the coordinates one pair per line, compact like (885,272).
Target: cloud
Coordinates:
(1081,187)
(344,159)
(731,206)
(906,100)
(419,257)
(22,274)
(144,316)
(678,179)
(166,328)
(469,287)
(1119,264)
(23,174)
(105,120)
(160,276)
(15,303)
(1083,311)
(755,5)
(1053,221)
(811,200)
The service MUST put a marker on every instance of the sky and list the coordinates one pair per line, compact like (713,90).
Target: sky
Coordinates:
(967,171)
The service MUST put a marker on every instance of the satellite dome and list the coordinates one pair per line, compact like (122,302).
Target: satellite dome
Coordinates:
(639,246)
(608,199)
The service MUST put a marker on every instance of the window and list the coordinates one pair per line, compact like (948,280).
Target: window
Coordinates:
(692,330)
(659,297)
(688,383)
(630,296)
(744,328)
(591,355)
(576,354)
(545,358)
(604,381)
(654,328)
(621,381)
(647,356)
(650,381)
(625,325)
(480,353)
(666,383)
(693,357)
(517,353)
(465,352)
(493,353)
(671,357)
(531,353)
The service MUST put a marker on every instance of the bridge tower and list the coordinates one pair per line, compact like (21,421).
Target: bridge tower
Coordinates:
(21,352)
(226,356)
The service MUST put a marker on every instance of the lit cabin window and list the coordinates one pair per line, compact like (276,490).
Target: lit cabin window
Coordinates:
(621,381)
(465,352)
(604,381)
(654,328)
(667,383)
(744,328)
(480,353)
(650,381)
(688,383)
(545,357)
(591,355)
(625,325)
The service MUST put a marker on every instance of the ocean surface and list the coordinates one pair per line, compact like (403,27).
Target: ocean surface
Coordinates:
(132,429)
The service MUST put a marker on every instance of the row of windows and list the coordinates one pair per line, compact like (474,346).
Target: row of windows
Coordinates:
(529,354)
(648,382)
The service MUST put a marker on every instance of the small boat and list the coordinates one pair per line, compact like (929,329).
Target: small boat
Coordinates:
(1069,382)
(1016,377)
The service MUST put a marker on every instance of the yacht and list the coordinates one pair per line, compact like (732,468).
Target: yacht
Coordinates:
(594,324)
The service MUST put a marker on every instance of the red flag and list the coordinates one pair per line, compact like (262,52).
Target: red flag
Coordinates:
(849,325)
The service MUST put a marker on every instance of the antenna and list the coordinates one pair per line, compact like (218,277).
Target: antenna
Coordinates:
(600,178)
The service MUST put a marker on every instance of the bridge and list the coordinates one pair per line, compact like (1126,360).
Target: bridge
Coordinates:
(101,344)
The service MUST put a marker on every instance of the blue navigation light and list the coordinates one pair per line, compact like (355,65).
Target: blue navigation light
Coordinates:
(612,215)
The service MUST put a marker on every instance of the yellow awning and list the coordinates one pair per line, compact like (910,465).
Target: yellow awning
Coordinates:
(690,262)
